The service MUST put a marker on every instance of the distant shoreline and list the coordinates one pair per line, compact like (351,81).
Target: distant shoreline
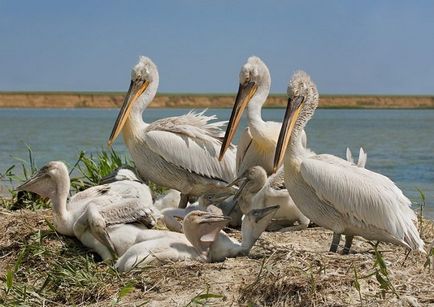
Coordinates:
(114,100)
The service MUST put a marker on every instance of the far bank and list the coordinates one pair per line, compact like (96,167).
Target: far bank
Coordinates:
(114,100)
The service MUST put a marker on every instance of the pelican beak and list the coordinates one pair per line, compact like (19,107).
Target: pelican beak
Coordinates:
(291,115)
(236,181)
(214,218)
(134,91)
(241,182)
(261,213)
(244,95)
(27,186)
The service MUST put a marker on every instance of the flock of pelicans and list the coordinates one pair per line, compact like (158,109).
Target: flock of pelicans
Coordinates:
(268,181)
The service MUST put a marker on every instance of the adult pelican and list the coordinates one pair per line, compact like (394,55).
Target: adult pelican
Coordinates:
(175,152)
(258,141)
(335,193)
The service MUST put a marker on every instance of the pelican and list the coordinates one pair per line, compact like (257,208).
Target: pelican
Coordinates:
(220,199)
(159,245)
(258,141)
(168,200)
(257,191)
(253,225)
(202,240)
(175,152)
(335,193)
(92,210)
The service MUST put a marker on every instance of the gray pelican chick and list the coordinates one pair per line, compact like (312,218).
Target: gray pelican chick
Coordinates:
(94,209)
(162,246)
(259,191)
(176,152)
(334,193)
(253,225)
(219,198)
(203,240)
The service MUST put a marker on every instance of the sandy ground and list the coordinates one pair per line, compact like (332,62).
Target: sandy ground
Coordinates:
(114,100)
(283,269)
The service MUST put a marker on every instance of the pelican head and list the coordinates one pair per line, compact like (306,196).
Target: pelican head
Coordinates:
(302,102)
(45,182)
(251,181)
(254,224)
(254,75)
(143,74)
(201,228)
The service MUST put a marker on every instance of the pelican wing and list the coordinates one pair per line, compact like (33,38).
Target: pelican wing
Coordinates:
(192,143)
(121,211)
(363,196)
(123,189)
(277,180)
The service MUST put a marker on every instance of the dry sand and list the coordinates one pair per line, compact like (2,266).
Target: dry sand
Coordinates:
(114,100)
(284,269)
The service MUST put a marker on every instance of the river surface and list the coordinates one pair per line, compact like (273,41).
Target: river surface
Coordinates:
(399,143)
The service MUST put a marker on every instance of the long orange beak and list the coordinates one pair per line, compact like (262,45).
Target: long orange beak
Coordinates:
(244,95)
(291,115)
(134,91)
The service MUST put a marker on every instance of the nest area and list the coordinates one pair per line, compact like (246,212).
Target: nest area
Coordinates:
(39,266)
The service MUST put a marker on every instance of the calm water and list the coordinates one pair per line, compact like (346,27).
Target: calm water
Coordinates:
(400,143)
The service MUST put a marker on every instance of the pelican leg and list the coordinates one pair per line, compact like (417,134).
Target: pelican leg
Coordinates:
(335,242)
(348,242)
(183,201)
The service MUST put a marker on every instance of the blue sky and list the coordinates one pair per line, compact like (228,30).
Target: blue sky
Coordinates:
(348,47)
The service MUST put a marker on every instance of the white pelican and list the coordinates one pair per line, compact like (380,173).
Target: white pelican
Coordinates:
(335,193)
(176,152)
(258,141)
(257,191)
(92,210)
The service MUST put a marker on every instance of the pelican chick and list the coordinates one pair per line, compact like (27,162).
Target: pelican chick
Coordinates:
(253,225)
(257,191)
(217,198)
(161,246)
(170,199)
(335,193)
(178,152)
(93,209)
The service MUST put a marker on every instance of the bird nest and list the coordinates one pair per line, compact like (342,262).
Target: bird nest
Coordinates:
(39,266)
